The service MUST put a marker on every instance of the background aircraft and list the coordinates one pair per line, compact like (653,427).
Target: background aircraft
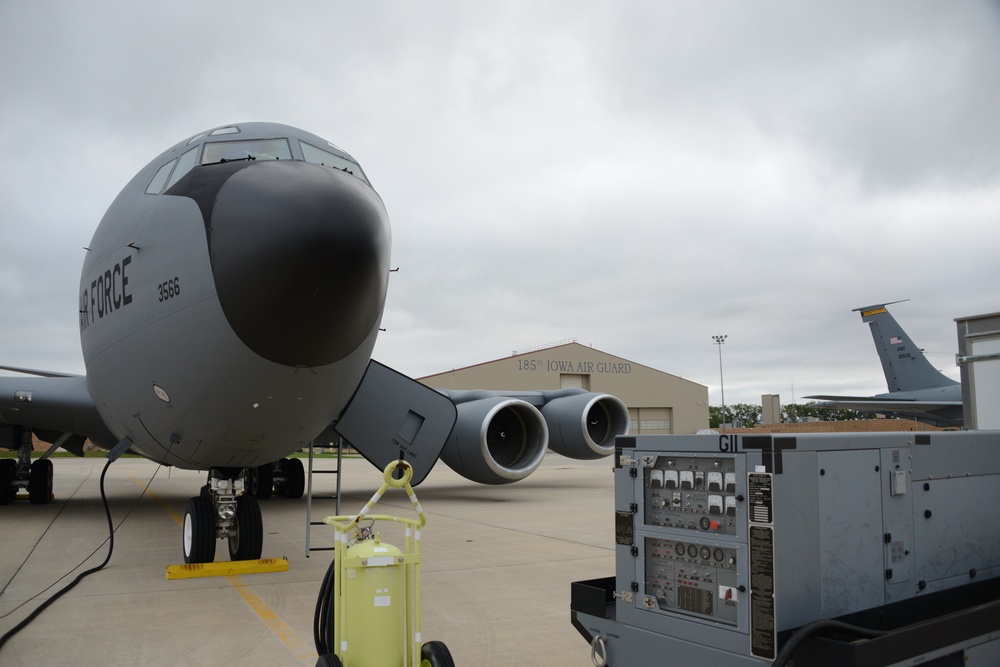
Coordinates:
(229,303)
(916,389)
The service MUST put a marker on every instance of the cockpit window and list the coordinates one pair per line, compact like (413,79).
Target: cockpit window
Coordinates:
(185,163)
(156,185)
(320,156)
(251,149)
(229,129)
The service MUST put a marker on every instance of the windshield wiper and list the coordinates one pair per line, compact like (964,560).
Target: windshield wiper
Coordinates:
(248,158)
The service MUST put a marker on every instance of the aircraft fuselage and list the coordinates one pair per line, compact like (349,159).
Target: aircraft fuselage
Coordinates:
(231,296)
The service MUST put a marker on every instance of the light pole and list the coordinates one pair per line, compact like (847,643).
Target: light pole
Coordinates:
(720,339)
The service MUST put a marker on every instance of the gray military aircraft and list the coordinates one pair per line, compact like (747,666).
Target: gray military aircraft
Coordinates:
(229,303)
(916,389)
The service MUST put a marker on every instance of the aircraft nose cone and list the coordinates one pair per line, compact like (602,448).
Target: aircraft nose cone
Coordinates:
(300,254)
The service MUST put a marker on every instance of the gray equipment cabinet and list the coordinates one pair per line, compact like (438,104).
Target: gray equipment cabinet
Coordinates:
(979,360)
(818,549)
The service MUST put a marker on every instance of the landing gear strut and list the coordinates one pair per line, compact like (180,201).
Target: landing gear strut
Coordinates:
(223,510)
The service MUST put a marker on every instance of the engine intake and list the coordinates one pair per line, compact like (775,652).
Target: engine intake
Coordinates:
(583,425)
(496,439)
(501,437)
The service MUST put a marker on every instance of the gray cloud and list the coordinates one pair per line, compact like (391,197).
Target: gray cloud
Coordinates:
(637,175)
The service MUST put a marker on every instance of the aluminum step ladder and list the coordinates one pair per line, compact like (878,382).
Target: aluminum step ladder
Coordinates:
(309,495)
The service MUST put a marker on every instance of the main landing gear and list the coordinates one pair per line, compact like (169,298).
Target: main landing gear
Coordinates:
(286,477)
(20,474)
(223,510)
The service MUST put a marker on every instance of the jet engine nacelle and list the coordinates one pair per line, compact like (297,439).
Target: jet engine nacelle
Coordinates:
(501,437)
(496,439)
(583,425)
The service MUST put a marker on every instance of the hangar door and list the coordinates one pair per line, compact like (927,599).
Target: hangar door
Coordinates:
(581,380)
(650,421)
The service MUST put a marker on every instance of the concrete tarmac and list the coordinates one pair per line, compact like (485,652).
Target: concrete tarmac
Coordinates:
(497,565)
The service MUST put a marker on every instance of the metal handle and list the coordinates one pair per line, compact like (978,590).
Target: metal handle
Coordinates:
(599,660)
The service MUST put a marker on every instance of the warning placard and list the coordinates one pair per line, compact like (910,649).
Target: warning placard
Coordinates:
(763,637)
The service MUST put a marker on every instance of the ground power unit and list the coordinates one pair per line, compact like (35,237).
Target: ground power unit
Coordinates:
(807,550)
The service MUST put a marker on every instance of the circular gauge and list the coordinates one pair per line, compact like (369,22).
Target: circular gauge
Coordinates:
(718,554)
(679,549)
(705,553)
(705,523)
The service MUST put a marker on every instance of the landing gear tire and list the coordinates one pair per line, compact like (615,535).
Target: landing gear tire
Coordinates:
(261,481)
(40,482)
(295,478)
(246,542)
(435,654)
(199,531)
(8,469)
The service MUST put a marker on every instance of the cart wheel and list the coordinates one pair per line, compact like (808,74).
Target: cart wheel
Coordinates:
(435,654)
(328,660)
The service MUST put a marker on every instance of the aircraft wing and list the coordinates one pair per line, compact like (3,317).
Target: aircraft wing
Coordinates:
(936,413)
(869,404)
(52,406)
(32,371)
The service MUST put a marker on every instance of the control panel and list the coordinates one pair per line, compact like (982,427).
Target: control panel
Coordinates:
(691,578)
(690,493)
(683,536)
(727,543)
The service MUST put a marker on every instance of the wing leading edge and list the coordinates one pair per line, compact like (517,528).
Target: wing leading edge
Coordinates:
(52,406)
(871,404)
(945,414)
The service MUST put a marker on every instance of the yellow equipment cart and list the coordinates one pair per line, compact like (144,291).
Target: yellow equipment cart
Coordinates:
(368,611)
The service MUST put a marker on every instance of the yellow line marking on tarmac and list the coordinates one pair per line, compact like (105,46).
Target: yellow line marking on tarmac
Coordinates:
(162,503)
(282,630)
(289,637)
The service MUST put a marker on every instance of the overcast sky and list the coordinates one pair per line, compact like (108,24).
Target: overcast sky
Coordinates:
(635,175)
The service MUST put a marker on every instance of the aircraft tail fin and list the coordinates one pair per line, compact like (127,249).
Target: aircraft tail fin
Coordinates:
(904,364)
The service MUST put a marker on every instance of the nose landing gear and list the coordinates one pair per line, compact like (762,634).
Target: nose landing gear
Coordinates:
(223,510)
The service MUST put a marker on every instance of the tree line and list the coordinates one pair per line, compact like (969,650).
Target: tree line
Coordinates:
(748,415)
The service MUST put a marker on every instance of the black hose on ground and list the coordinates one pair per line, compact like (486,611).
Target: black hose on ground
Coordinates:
(323,616)
(45,605)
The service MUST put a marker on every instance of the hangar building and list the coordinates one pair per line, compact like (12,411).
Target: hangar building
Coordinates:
(658,403)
